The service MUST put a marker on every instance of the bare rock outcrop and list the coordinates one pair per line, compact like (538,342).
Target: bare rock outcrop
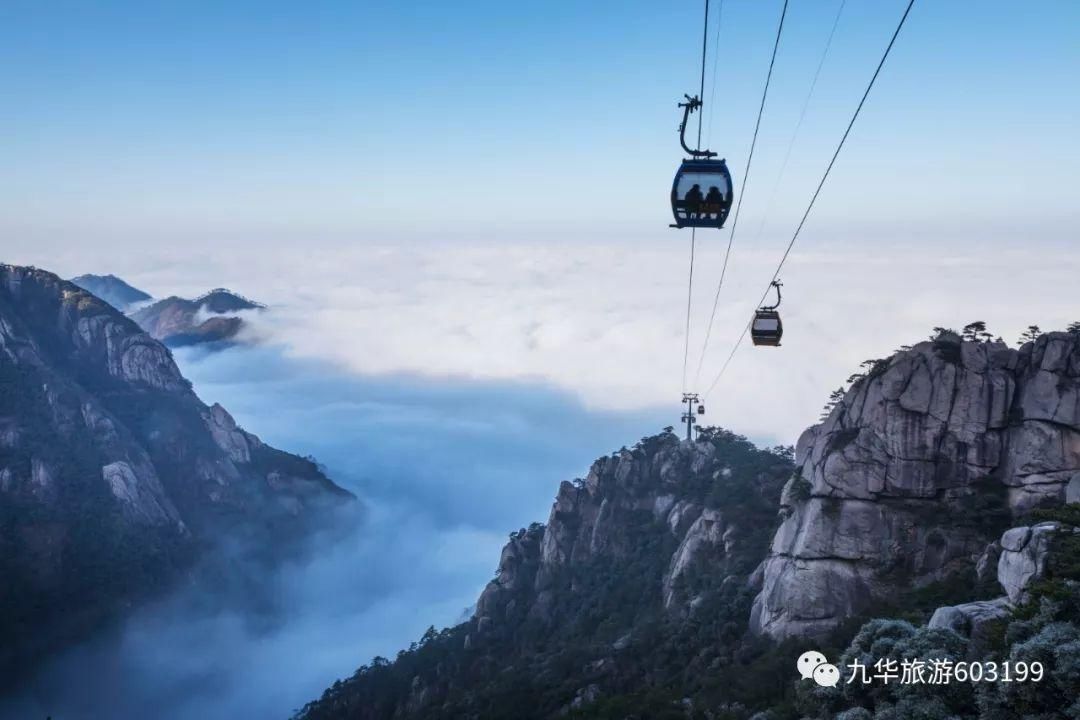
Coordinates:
(708,531)
(1024,554)
(972,619)
(915,470)
(654,490)
(140,493)
(515,576)
(113,473)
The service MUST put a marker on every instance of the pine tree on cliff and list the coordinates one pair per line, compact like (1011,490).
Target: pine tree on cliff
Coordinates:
(834,399)
(1031,334)
(976,332)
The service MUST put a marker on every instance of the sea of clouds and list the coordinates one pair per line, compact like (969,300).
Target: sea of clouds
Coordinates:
(604,320)
(444,470)
(452,386)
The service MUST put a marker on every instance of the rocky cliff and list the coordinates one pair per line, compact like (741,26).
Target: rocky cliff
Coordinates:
(685,489)
(665,584)
(916,470)
(114,476)
(652,552)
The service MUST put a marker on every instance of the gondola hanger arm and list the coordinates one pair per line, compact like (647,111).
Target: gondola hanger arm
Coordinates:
(691,104)
(776,284)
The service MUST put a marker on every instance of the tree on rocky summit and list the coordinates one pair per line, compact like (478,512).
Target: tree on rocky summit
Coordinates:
(834,399)
(938,332)
(975,332)
(1031,334)
(875,366)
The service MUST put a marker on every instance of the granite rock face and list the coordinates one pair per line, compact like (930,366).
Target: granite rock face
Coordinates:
(1022,558)
(588,520)
(604,518)
(914,471)
(972,619)
(708,531)
(1024,554)
(113,474)
(655,540)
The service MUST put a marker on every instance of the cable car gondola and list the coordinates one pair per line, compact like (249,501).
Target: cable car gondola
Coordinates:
(701,192)
(766,328)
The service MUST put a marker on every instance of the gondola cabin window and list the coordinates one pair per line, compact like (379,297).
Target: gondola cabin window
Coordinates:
(701,194)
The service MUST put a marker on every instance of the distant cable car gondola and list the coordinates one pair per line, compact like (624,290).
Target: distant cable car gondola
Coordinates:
(766,328)
(702,190)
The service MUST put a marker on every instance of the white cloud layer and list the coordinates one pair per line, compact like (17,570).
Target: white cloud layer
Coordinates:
(453,385)
(604,320)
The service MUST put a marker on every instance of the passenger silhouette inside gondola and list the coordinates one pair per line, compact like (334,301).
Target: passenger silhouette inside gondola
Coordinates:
(693,200)
(714,201)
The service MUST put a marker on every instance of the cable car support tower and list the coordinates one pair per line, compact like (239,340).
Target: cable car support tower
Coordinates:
(693,409)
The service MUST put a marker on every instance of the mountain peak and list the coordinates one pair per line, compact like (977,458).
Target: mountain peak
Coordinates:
(178,321)
(665,581)
(112,290)
(923,462)
(222,300)
(112,469)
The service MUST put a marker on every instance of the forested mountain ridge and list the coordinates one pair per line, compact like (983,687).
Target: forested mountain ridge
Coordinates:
(114,476)
(209,318)
(683,579)
(654,549)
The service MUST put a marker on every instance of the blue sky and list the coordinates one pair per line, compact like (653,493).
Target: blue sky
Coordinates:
(451,206)
(356,120)
(491,179)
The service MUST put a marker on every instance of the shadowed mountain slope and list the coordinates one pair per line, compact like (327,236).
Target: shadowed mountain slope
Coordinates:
(114,476)
(683,579)
(112,290)
(210,318)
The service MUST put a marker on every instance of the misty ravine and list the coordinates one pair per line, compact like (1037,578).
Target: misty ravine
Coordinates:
(444,469)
